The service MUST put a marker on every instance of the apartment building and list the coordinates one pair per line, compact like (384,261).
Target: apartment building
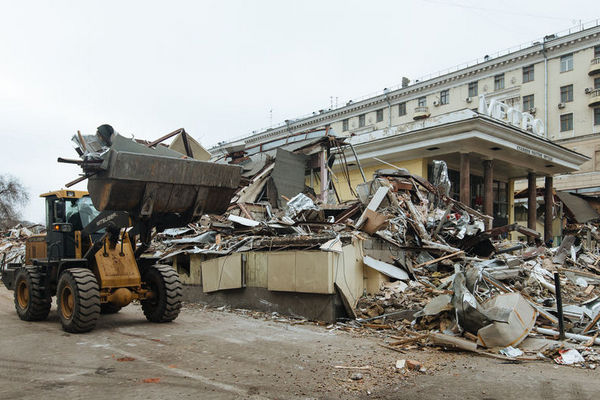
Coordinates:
(555,80)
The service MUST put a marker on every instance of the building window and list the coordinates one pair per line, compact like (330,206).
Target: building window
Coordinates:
(597,116)
(527,103)
(473,89)
(380,115)
(566,93)
(445,96)
(401,109)
(499,82)
(422,101)
(596,51)
(528,73)
(566,63)
(596,83)
(566,122)
(345,125)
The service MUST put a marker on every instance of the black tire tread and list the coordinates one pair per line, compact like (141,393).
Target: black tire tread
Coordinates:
(39,303)
(87,300)
(167,307)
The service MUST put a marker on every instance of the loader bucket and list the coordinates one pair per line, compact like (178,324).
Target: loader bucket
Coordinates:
(148,184)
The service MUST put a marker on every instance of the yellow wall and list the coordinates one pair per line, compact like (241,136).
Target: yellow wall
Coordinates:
(415,167)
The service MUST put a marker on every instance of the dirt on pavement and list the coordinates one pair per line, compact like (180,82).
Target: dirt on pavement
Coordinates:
(213,354)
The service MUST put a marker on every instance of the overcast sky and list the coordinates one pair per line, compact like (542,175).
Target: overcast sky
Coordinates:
(218,68)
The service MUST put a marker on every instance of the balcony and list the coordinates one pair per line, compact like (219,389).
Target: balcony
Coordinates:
(594,98)
(421,112)
(594,66)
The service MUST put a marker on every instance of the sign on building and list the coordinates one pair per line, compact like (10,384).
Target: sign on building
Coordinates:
(502,111)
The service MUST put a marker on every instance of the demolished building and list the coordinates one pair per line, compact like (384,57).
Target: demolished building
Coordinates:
(402,253)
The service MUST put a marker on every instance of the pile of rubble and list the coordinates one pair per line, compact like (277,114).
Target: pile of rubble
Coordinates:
(451,279)
(12,242)
(454,283)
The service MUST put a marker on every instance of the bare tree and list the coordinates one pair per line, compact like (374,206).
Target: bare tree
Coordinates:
(12,196)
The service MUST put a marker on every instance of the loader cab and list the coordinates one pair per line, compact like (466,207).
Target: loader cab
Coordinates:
(67,213)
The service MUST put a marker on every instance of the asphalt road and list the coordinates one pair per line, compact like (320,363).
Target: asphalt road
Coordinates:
(211,354)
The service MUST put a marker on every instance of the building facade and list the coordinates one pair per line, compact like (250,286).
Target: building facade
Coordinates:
(555,80)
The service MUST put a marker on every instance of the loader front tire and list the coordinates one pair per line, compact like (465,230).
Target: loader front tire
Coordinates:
(31,301)
(165,303)
(78,298)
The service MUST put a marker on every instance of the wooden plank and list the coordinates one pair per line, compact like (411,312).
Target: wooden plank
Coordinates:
(452,341)
(588,290)
(245,211)
(408,340)
(417,219)
(377,326)
(581,273)
(592,324)
(439,259)
(428,244)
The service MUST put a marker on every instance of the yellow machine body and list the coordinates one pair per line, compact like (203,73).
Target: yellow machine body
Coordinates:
(117,272)
(116,266)
(35,247)
(66,194)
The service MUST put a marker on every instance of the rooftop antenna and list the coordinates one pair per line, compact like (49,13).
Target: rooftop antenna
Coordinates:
(271,118)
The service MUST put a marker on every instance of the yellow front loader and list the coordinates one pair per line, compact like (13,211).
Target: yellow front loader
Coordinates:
(92,256)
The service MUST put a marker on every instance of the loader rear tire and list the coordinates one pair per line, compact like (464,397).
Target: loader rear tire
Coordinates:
(78,298)
(164,283)
(109,308)
(31,301)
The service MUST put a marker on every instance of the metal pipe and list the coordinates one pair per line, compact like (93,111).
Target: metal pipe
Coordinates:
(559,307)
(163,138)
(574,336)
(362,173)
(545,88)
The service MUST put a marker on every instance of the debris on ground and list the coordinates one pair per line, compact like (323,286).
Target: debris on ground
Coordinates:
(452,280)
